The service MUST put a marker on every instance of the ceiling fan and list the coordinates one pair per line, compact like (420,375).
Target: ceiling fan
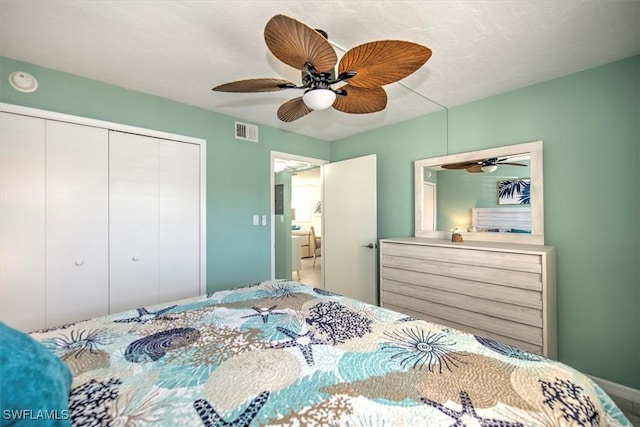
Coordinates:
(363,70)
(483,165)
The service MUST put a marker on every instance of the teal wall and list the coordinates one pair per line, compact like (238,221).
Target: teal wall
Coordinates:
(238,183)
(590,125)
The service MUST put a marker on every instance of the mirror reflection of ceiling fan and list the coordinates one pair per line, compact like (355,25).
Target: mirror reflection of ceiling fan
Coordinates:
(483,165)
(362,70)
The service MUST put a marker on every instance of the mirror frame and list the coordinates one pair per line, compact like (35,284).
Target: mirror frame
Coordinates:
(537,193)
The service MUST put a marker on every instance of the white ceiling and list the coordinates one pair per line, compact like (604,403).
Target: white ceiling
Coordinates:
(181,49)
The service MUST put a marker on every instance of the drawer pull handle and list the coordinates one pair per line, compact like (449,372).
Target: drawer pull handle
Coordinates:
(79,262)
(135,258)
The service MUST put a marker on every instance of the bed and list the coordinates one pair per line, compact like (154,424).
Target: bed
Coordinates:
(284,354)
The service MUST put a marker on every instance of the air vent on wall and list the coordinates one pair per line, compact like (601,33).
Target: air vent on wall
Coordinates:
(246,132)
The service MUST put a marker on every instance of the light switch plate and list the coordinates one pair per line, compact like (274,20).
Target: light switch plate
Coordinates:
(264,220)
(256,220)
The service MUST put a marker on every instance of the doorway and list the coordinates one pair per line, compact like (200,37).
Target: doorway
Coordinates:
(296,209)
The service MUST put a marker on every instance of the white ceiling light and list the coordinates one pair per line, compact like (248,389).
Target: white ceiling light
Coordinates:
(23,82)
(319,99)
(489,168)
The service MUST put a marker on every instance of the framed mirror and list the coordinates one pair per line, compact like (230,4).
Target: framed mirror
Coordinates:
(491,195)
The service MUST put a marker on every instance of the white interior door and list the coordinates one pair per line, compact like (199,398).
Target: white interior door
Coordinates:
(349,237)
(134,221)
(22,221)
(179,220)
(77,222)
(429,206)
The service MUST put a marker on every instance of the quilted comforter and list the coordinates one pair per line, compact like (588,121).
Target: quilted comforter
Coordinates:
(284,354)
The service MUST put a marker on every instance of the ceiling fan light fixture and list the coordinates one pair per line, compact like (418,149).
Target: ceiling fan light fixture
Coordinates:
(489,168)
(319,99)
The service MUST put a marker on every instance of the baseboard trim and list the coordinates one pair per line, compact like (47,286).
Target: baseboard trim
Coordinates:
(618,390)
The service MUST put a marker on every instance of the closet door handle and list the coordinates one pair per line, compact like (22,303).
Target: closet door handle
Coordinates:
(135,258)
(79,262)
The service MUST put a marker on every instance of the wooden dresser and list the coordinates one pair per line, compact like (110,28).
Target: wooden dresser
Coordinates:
(502,291)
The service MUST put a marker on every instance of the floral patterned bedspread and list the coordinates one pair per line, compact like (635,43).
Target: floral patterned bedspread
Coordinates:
(281,353)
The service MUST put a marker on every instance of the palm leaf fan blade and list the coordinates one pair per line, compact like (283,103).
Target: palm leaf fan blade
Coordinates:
(293,110)
(296,44)
(462,165)
(255,85)
(361,100)
(382,62)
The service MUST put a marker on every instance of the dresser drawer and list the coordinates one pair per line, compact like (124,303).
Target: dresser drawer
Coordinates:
(480,305)
(538,349)
(468,257)
(496,292)
(488,274)
(467,318)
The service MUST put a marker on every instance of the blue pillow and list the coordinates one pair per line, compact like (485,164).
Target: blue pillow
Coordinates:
(34,382)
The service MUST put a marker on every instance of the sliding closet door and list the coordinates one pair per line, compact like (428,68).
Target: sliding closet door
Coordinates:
(134,220)
(77,249)
(179,220)
(154,220)
(22,221)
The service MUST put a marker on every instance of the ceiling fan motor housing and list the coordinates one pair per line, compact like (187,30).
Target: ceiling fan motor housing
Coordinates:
(311,79)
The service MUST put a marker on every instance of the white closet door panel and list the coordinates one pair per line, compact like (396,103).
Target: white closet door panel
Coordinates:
(22,221)
(134,198)
(179,220)
(77,223)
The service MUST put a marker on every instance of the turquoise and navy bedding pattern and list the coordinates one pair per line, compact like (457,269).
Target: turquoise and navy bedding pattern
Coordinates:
(284,354)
